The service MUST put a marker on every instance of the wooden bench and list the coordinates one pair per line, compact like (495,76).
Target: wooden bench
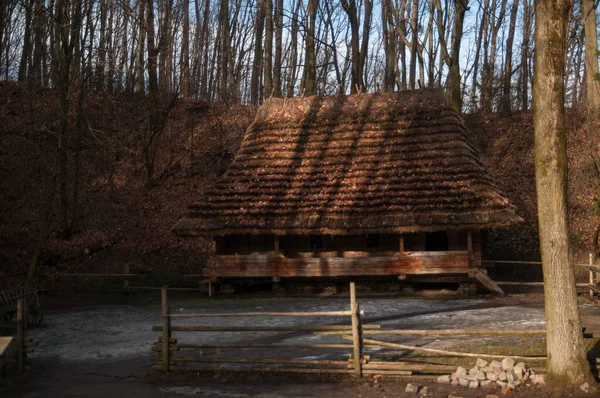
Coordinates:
(4,343)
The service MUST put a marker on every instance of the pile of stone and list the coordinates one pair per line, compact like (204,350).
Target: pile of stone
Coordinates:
(505,374)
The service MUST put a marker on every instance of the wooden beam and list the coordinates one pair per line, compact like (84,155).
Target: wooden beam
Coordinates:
(488,282)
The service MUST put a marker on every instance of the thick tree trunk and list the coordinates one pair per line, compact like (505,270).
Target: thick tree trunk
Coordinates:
(460,7)
(592,84)
(567,362)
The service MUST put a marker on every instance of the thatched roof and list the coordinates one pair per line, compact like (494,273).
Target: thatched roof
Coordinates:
(366,163)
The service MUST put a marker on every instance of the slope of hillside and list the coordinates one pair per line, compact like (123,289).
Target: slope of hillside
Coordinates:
(130,219)
(119,209)
(507,143)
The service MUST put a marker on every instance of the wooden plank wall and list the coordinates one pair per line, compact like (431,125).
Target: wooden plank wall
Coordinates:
(269,265)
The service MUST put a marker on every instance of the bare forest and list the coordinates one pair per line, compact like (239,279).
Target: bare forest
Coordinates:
(116,114)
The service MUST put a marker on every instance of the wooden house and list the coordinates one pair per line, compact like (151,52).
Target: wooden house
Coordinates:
(383,184)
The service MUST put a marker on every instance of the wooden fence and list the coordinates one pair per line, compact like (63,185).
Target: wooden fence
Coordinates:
(356,337)
(166,345)
(21,343)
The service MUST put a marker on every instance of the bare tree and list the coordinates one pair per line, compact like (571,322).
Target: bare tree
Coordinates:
(567,361)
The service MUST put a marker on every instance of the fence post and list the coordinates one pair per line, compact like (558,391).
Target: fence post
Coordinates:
(591,275)
(166,330)
(356,335)
(20,335)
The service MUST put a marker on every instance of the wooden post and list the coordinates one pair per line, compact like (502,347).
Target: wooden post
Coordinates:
(591,275)
(20,335)
(166,330)
(470,247)
(593,262)
(356,336)
(401,244)
(277,245)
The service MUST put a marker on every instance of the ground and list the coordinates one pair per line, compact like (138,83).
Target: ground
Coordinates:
(100,351)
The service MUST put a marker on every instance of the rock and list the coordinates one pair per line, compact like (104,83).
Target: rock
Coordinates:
(487,368)
(511,385)
(455,383)
(510,376)
(491,396)
(518,371)
(508,363)
(496,364)
(463,382)
(522,366)
(474,384)
(538,379)
(424,390)
(461,372)
(497,370)
(453,376)
(487,383)
(412,388)
(473,371)
(585,387)
(480,375)
(480,363)
(471,377)
(502,376)
(501,383)
(491,376)
(444,379)
(506,390)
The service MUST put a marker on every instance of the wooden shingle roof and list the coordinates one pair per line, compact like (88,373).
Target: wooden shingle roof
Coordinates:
(365,163)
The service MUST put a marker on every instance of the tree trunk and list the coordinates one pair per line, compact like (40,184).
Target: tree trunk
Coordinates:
(310,87)
(26,53)
(505,103)
(152,48)
(414,32)
(592,87)
(268,67)
(258,53)
(277,92)
(351,11)
(224,50)
(567,366)
(364,47)
(291,82)
(139,52)
(389,42)
(460,7)
(527,17)
(185,51)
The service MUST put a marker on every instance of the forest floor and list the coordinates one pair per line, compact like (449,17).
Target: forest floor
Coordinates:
(102,351)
